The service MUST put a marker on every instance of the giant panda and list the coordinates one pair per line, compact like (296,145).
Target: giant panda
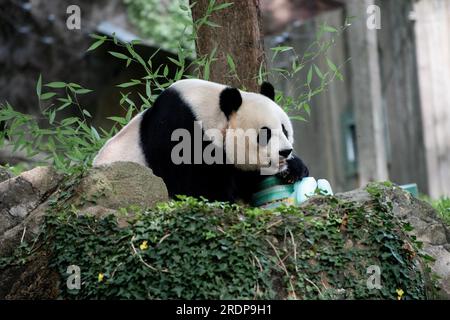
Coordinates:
(215,115)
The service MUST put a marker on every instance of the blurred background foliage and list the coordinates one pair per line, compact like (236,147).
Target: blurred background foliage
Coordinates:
(167,23)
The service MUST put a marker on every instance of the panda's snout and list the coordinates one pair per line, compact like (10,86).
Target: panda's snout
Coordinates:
(285,153)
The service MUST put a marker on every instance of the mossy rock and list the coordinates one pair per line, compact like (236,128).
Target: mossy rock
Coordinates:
(5,174)
(351,246)
(198,250)
(192,249)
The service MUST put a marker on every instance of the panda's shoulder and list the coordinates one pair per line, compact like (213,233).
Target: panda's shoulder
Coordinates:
(189,85)
(201,96)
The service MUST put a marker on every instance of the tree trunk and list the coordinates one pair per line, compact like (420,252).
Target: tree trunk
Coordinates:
(239,36)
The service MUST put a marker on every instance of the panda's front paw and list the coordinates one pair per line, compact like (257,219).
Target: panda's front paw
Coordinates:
(295,171)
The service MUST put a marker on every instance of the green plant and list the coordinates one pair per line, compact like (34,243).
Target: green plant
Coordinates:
(304,71)
(16,169)
(65,142)
(442,205)
(162,22)
(194,249)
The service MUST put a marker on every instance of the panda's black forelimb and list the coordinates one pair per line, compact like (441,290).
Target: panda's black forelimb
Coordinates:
(296,170)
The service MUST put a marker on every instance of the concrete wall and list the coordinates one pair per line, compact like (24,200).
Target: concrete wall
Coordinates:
(320,140)
(400,93)
(433,52)
(409,134)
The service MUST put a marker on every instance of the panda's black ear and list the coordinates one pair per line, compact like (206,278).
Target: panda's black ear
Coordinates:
(230,100)
(267,90)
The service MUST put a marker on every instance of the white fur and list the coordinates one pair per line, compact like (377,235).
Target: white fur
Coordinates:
(203,97)
(124,146)
(256,111)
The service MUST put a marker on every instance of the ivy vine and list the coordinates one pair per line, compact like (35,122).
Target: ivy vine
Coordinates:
(195,249)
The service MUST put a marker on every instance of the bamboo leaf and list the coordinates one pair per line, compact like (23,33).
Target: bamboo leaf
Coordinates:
(87,113)
(129,84)
(52,117)
(298,118)
(47,96)
(330,29)
(212,24)
(231,63)
(56,85)
(206,71)
(96,44)
(83,91)
(118,55)
(69,121)
(332,65)
(309,76)
(307,108)
(176,62)
(95,134)
(39,86)
(318,72)
(119,120)
(223,6)
(148,90)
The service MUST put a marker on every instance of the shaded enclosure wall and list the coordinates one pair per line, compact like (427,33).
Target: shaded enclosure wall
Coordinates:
(401,96)
(325,142)
(433,52)
(320,141)
(34,39)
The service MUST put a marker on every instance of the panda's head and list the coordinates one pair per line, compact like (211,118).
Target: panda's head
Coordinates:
(259,133)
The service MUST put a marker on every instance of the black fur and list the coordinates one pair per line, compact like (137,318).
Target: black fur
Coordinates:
(230,101)
(284,130)
(267,90)
(296,170)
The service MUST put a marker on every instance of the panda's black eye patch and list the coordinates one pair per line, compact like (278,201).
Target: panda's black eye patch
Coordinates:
(264,136)
(284,131)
